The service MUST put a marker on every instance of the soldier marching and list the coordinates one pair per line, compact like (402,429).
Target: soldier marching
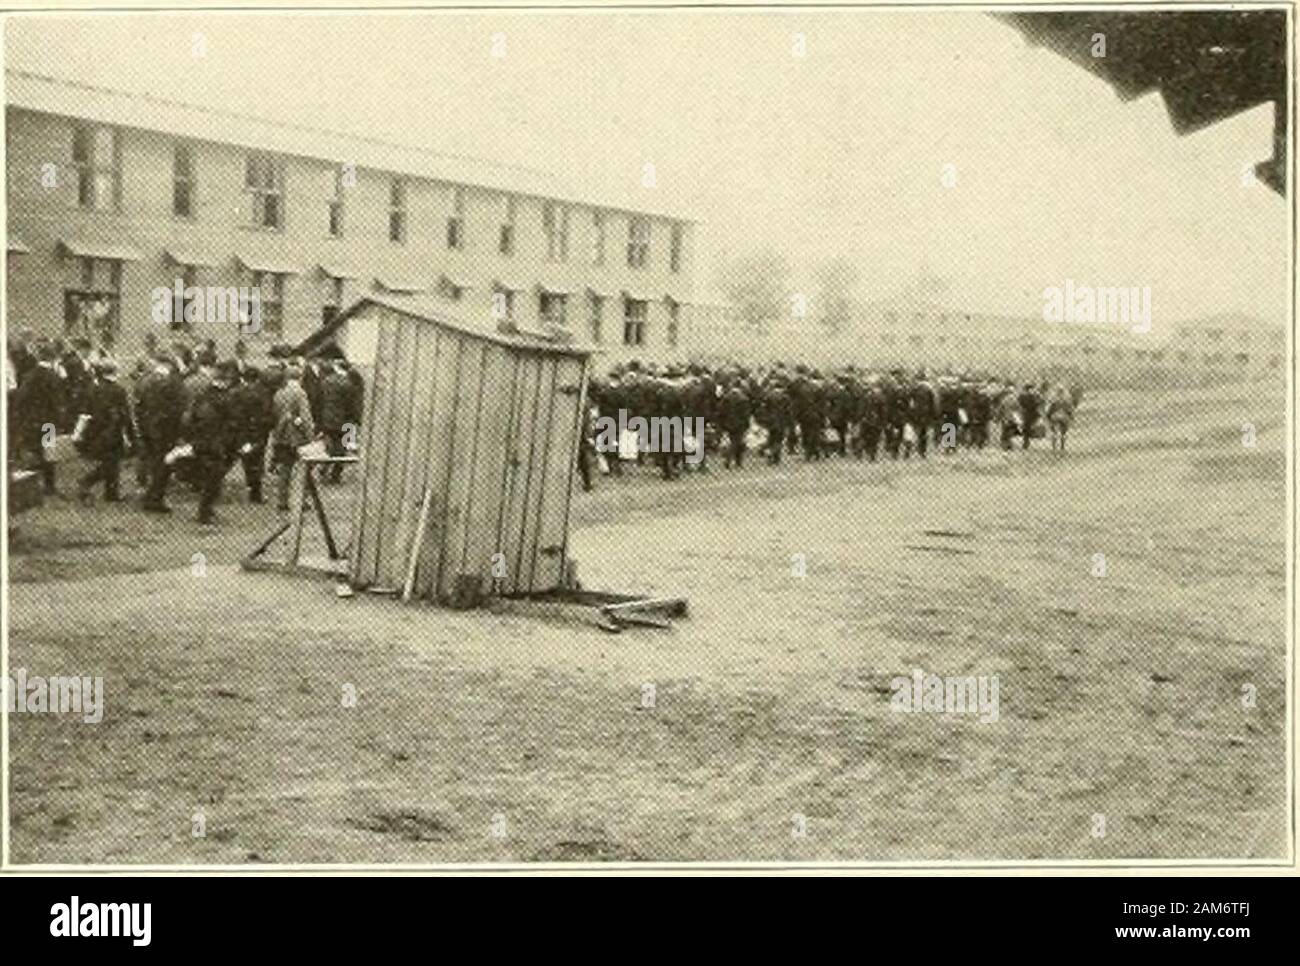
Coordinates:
(185,417)
(188,418)
(849,411)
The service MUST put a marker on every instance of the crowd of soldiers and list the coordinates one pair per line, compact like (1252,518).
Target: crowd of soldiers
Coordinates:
(845,411)
(181,412)
(178,411)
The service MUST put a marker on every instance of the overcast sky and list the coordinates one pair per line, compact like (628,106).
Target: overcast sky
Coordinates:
(838,152)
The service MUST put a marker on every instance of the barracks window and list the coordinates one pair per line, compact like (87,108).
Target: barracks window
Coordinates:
(183,180)
(264,182)
(96,156)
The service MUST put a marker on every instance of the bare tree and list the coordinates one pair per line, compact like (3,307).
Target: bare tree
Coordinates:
(756,285)
(837,292)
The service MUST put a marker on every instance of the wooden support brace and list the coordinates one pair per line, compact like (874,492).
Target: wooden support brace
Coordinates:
(675,606)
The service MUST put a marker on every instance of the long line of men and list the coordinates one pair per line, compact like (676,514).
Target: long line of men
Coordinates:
(181,412)
(848,410)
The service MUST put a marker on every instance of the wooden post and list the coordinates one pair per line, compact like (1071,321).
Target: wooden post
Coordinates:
(414,557)
(297,507)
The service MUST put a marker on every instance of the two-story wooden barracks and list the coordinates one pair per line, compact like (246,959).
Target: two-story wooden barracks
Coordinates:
(112,196)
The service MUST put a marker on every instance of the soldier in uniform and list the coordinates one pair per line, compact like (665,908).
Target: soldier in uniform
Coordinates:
(809,412)
(107,436)
(40,403)
(842,407)
(669,404)
(978,406)
(1060,413)
(77,381)
(311,380)
(587,448)
(1031,402)
(950,426)
(335,414)
(703,396)
(356,400)
(924,408)
(21,354)
(1008,414)
(250,413)
(160,405)
(734,413)
(292,426)
(873,420)
(212,431)
(899,403)
(774,414)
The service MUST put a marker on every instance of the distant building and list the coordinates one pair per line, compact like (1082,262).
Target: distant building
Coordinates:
(114,196)
(1231,341)
(911,332)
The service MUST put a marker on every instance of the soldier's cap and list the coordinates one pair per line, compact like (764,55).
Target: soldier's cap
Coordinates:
(106,367)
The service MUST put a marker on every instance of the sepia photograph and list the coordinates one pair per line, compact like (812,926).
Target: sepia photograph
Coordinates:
(681,438)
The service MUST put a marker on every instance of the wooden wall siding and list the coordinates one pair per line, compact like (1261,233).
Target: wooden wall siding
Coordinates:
(492,431)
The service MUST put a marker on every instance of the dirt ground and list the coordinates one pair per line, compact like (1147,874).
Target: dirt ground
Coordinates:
(503,736)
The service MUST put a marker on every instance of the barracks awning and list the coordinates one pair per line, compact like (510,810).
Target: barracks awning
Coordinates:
(394,282)
(268,263)
(109,251)
(338,270)
(188,257)
(17,246)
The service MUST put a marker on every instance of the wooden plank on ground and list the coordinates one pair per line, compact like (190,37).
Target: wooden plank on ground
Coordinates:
(673,605)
